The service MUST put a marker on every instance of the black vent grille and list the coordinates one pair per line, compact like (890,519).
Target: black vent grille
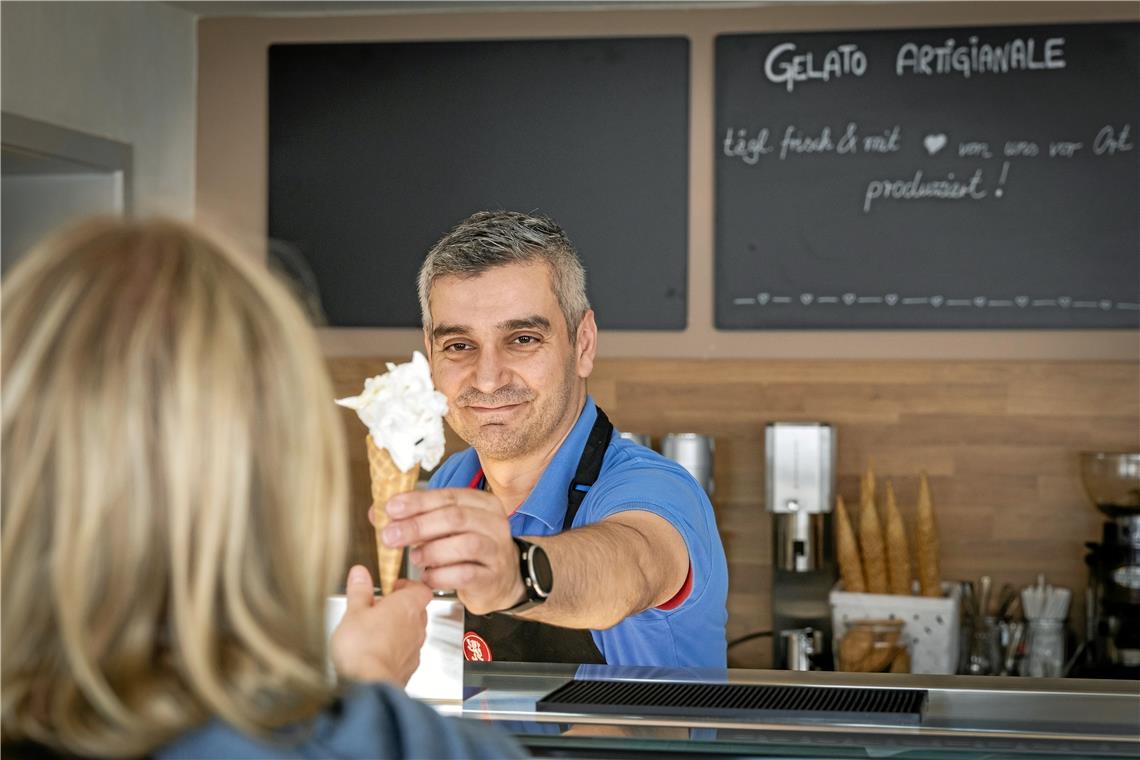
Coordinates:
(812,704)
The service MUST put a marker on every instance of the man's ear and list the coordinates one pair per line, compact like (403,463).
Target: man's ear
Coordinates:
(427,344)
(586,346)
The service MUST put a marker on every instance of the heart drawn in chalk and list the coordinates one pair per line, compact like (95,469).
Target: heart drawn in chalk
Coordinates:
(763,298)
(1065,302)
(1021,301)
(806,298)
(980,301)
(936,301)
(891,299)
(848,298)
(934,143)
(1105,304)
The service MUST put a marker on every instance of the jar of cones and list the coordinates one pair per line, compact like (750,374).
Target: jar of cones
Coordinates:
(873,646)
(884,587)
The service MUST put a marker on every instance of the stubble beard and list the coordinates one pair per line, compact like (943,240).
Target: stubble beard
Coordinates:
(502,442)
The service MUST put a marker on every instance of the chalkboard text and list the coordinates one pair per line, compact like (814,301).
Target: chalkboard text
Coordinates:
(918,188)
(785,66)
(973,58)
(1109,141)
(737,144)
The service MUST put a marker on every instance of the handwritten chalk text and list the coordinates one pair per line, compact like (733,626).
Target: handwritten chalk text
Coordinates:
(1109,141)
(973,58)
(919,188)
(737,144)
(787,67)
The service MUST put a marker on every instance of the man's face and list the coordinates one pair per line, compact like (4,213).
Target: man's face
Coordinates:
(501,352)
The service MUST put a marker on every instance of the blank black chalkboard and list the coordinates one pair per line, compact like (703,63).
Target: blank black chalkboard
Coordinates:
(376,150)
(929,178)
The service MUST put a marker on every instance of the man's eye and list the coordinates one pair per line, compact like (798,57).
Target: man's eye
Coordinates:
(526,340)
(456,347)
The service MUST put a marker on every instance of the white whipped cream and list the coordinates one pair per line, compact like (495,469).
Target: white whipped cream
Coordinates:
(404,413)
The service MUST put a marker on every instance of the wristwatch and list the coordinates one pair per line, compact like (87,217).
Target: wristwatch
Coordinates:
(537,575)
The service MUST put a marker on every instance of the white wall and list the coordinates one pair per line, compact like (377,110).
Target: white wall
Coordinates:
(121,70)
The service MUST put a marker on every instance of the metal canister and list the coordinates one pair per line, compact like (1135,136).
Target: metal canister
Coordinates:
(694,452)
(801,644)
(638,438)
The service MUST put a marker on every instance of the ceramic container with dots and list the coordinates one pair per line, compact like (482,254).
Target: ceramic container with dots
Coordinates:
(931,627)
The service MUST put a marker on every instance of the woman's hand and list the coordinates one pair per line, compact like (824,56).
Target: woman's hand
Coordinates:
(380,639)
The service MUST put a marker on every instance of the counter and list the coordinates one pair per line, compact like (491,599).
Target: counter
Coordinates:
(964,717)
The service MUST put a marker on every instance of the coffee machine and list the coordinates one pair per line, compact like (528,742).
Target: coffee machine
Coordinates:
(1112,482)
(800,492)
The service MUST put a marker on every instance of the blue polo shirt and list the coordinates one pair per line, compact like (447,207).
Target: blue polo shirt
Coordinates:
(689,631)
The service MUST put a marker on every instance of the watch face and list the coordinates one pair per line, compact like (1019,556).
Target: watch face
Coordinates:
(543,575)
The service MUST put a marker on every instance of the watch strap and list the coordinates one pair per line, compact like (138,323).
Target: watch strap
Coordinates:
(534,595)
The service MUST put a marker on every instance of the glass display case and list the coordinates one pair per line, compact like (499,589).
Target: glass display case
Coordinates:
(961,716)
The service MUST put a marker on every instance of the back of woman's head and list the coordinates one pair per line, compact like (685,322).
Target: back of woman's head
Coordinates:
(173,492)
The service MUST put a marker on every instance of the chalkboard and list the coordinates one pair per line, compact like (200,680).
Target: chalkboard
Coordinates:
(376,150)
(929,178)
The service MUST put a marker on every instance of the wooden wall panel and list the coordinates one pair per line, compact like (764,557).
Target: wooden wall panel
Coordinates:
(999,441)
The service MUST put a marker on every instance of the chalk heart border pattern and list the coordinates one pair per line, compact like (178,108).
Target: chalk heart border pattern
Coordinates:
(934,143)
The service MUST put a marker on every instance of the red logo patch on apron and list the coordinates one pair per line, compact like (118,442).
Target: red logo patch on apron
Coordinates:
(475,649)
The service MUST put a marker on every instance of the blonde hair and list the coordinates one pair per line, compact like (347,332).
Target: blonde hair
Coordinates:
(174,493)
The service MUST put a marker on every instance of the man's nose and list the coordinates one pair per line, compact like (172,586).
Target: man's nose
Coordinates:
(491,371)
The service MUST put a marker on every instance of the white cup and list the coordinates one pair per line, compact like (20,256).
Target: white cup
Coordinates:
(439,678)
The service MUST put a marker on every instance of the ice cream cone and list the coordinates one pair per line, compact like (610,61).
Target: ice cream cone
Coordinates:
(387,481)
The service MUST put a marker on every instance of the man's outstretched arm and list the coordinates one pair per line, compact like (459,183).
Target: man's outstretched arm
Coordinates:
(603,573)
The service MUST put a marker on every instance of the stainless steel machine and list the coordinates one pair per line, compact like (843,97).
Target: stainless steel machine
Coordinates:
(1112,482)
(800,493)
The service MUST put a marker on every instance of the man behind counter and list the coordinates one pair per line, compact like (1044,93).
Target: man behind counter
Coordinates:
(617,559)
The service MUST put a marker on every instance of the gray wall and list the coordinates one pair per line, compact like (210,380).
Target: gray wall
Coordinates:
(121,70)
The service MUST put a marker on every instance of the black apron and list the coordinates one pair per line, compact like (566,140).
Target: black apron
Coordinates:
(505,638)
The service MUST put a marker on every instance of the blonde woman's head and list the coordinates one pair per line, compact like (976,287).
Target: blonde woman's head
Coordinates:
(174,492)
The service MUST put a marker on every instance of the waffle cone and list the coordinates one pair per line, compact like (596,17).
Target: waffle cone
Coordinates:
(871,537)
(898,548)
(387,481)
(926,543)
(847,549)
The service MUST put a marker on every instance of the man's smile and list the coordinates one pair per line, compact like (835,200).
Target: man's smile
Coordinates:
(502,409)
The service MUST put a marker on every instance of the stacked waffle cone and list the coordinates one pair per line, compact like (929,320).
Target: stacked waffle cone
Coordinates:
(387,481)
(871,537)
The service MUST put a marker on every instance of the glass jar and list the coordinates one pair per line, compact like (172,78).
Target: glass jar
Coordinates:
(1045,649)
(985,649)
(873,646)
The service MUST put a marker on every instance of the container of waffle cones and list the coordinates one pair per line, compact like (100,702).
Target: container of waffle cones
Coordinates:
(404,416)
(892,573)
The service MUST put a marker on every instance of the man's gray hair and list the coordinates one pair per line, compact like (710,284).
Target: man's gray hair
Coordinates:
(489,239)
